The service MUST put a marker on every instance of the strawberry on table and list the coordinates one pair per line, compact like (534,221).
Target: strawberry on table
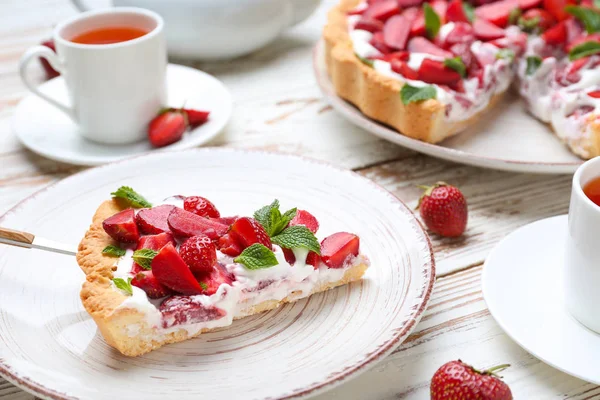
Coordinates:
(443,209)
(122,227)
(460,381)
(200,206)
(167,128)
(200,254)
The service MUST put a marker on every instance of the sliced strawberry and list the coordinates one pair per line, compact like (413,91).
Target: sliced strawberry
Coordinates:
(417,27)
(152,242)
(456,12)
(199,253)
(185,224)
(397,55)
(422,45)
(200,206)
(462,33)
(196,117)
(154,220)
(306,219)
(378,41)
(497,13)
(313,259)
(248,231)
(226,220)
(167,128)
(337,248)
(382,10)
(463,50)
(583,38)
(122,227)
(215,279)
(440,7)
(544,18)
(432,71)
(487,31)
(527,4)
(289,256)
(170,270)
(402,68)
(409,3)
(369,24)
(595,94)
(146,281)
(573,28)
(578,64)
(557,35)
(181,310)
(557,8)
(396,31)
(229,245)
(411,15)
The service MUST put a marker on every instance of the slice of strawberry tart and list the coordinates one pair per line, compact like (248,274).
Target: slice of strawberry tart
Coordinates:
(166,273)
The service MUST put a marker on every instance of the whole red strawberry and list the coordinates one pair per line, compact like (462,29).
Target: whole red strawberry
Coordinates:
(443,209)
(167,128)
(199,253)
(201,206)
(459,381)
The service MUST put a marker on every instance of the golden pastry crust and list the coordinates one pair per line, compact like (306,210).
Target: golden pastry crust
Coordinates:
(376,95)
(126,329)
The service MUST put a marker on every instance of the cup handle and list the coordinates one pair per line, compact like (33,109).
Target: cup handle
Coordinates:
(48,54)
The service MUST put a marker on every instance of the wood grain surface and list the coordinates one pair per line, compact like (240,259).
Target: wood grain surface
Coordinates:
(279,107)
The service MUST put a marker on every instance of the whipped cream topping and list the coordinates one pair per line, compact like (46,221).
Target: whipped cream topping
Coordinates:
(554,99)
(250,287)
(459,106)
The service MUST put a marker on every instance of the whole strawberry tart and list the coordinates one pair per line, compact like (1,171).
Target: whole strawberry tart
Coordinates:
(430,69)
(165,273)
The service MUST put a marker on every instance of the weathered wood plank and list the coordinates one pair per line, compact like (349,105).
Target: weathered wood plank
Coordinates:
(498,202)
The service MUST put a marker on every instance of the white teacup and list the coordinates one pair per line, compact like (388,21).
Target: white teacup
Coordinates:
(582,252)
(114,89)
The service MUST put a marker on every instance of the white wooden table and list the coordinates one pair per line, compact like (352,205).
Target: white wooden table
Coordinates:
(279,107)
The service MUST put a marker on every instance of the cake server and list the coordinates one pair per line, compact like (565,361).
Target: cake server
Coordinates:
(29,240)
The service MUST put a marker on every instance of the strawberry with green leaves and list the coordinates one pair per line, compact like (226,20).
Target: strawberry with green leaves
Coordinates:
(456,380)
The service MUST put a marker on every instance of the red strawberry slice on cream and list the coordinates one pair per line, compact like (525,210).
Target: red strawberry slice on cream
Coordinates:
(497,13)
(215,279)
(456,12)
(170,270)
(378,41)
(411,15)
(583,38)
(382,10)
(122,227)
(396,31)
(338,248)
(185,224)
(462,33)
(557,35)
(595,94)
(154,220)
(306,219)
(369,24)
(152,242)
(244,232)
(402,68)
(433,71)
(146,281)
(417,27)
(572,27)
(397,55)
(557,8)
(422,45)
(485,30)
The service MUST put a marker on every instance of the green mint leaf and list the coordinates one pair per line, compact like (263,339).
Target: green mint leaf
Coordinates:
(506,54)
(144,257)
(530,25)
(432,21)
(411,94)
(469,11)
(596,3)
(365,61)
(584,50)
(533,63)
(271,218)
(203,285)
(124,285)
(132,197)
(113,251)
(456,64)
(256,256)
(514,16)
(297,236)
(590,18)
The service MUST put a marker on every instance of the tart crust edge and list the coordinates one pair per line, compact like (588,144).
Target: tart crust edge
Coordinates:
(126,329)
(378,96)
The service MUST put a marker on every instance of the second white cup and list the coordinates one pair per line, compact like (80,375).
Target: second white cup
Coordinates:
(114,89)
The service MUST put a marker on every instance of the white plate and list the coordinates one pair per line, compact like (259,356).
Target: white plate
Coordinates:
(522,286)
(51,347)
(507,138)
(47,131)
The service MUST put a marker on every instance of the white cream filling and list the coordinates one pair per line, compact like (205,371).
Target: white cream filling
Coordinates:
(293,281)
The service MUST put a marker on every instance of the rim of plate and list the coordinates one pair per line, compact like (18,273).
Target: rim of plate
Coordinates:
(428,268)
(202,138)
(355,116)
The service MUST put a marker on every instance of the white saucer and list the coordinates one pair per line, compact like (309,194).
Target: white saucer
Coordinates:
(47,131)
(522,286)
